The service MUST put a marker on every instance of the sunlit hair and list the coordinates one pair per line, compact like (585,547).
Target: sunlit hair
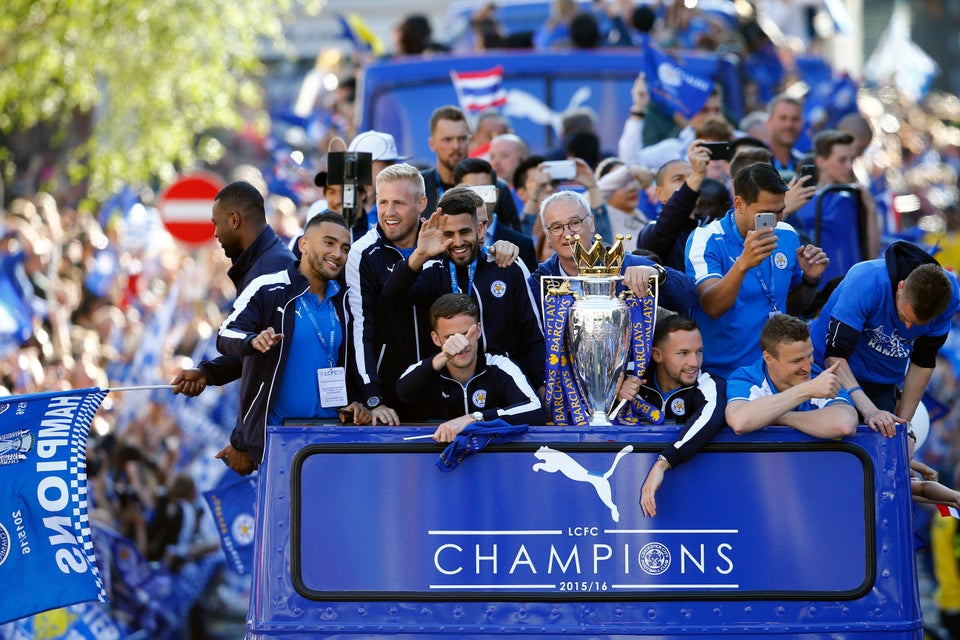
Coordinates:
(450,305)
(326,216)
(783,98)
(446,112)
(403,171)
(671,324)
(748,156)
(469,166)
(243,198)
(459,201)
(565,196)
(757,178)
(825,141)
(782,329)
(928,291)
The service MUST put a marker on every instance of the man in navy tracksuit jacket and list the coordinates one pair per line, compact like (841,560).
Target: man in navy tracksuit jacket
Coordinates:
(463,384)
(255,249)
(388,337)
(509,314)
(265,327)
(567,213)
(240,225)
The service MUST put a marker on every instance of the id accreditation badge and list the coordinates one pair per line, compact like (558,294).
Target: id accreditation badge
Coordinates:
(332,384)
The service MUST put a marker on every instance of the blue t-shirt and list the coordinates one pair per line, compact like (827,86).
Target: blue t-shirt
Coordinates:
(299,395)
(751,382)
(733,339)
(865,301)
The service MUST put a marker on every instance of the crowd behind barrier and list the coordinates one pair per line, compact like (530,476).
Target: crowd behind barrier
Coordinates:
(109,299)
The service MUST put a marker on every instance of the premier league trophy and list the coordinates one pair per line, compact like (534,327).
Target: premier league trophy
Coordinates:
(599,326)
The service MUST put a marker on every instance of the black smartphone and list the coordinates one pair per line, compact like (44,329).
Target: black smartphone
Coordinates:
(718,150)
(809,170)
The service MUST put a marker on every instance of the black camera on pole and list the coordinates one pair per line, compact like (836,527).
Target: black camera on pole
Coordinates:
(351,170)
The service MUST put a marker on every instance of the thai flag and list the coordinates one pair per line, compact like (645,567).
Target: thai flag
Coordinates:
(479,90)
(946,511)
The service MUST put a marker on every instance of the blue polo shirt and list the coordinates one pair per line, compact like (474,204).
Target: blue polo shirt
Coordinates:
(733,339)
(310,349)
(865,301)
(751,382)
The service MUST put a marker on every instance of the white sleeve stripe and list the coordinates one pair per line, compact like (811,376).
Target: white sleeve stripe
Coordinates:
(356,301)
(230,333)
(534,303)
(708,387)
(279,277)
(511,369)
(698,247)
(411,368)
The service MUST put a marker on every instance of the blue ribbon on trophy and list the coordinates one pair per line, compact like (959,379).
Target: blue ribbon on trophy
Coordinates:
(643,312)
(565,399)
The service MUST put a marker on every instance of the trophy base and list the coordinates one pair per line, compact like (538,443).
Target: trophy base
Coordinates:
(600,419)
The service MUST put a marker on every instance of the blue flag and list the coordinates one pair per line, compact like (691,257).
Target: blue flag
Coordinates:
(232,504)
(45,544)
(16,312)
(84,621)
(475,437)
(672,86)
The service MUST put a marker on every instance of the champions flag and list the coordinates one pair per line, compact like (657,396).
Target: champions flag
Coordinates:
(672,86)
(479,90)
(46,549)
(232,504)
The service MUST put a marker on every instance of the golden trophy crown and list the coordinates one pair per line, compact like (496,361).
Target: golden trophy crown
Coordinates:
(599,261)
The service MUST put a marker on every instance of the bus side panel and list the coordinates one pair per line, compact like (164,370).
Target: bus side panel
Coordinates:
(359,535)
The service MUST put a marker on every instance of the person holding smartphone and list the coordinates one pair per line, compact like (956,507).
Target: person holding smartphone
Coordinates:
(748,266)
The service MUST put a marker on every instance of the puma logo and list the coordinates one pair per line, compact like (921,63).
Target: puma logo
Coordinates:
(552,461)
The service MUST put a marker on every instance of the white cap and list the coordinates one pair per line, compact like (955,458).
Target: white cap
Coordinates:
(380,145)
(316,208)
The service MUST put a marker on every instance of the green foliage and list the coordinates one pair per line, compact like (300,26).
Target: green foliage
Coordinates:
(155,74)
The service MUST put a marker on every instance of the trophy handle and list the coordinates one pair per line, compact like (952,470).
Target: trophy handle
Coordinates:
(655,290)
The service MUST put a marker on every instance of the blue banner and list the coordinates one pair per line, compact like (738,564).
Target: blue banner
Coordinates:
(569,521)
(45,544)
(643,312)
(672,86)
(232,503)
(566,401)
(85,621)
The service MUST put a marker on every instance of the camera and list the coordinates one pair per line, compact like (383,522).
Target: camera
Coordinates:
(809,170)
(486,191)
(718,150)
(560,169)
(351,169)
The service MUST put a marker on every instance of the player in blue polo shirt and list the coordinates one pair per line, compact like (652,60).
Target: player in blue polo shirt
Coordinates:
(786,387)
(888,316)
(745,275)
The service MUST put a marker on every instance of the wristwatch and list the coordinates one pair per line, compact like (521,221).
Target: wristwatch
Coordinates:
(477,416)
(374,401)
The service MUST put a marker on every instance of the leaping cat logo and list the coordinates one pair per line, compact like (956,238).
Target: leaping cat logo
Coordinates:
(553,461)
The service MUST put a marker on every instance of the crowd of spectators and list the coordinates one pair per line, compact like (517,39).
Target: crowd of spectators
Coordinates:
(108,298)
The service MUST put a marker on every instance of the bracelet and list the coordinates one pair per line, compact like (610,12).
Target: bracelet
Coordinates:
(850,391)
(662,457)
(637,113)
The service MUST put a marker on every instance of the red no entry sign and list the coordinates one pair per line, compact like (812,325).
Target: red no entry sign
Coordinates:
(185,207)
